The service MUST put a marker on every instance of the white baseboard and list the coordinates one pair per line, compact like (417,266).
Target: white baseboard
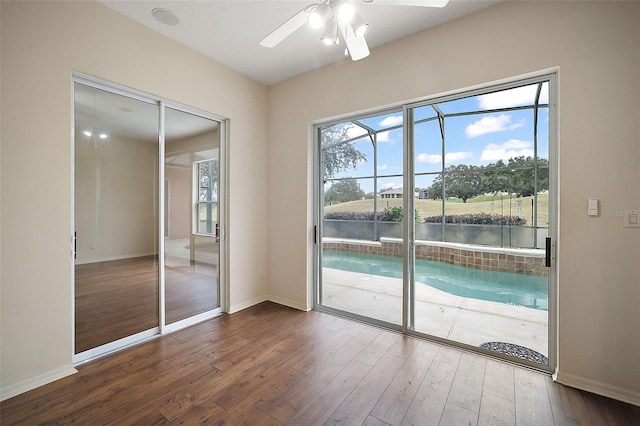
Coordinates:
(112,258)
(247,304)
(290,303)
(279,300)
(621,394)
(34,382)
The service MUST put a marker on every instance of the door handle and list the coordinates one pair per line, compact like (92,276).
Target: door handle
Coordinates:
(547,252)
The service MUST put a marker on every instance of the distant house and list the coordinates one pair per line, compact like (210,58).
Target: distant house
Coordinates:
(394,193)
(423,194)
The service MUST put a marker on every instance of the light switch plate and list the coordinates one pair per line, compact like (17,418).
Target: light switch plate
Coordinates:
(632,219)
(592,209)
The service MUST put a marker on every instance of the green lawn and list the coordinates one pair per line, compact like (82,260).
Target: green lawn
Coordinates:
(482,204)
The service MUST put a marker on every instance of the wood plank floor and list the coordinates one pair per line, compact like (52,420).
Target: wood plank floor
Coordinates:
(119,298)
(272,365)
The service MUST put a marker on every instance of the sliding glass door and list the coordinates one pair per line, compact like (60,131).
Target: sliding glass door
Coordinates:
(361,229)
(481,168)
(435,219)
(116,204)
(148,217)
(191,240)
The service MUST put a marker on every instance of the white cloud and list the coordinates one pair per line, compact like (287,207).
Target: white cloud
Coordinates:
(429,158)
(491,124)
(514,97)
(393,120)
(509,149)
(383,137)
(452,157)
(383,167)
(392,185)
(449,157)
(355,131)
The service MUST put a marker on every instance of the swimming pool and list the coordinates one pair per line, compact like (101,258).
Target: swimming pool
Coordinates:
(504,287)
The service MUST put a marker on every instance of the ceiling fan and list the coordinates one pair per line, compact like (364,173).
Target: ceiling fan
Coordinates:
(334,17)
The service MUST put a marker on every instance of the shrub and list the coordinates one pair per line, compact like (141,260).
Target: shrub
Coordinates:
(351,216)
(479,219)
(394,214)
(390,214)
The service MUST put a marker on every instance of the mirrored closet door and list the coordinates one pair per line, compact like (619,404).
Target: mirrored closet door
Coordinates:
(191,240)
(116,220)
(148,217)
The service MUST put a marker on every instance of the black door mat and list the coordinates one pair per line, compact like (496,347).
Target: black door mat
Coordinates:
(516,351)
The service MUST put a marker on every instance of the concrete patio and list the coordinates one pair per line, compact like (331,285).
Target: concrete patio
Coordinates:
(438,313)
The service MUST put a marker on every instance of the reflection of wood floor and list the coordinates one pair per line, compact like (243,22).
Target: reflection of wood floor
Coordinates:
(272,365)
(119,298)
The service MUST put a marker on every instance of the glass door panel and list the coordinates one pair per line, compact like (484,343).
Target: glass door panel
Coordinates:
(116,220)
(474,253)
(361,228)
(192,193)
(482,177)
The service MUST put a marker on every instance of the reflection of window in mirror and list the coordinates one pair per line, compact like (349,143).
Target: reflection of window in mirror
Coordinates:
(207,203)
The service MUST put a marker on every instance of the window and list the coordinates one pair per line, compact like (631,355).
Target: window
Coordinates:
(207,202)
(480,169)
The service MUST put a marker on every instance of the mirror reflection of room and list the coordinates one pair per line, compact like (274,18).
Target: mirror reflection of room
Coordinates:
(116,217)
(192,145)
(117,220)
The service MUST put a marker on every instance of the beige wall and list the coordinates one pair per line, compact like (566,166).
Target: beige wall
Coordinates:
(179,179)
(115,199)
(42,43)
(596,46)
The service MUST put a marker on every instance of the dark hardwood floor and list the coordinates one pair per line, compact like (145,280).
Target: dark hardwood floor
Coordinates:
(114,299)
(272,365)
(119,298)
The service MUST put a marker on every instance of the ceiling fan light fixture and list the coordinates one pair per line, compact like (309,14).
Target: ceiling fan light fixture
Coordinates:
(346,12)
(359,25)
(330,34)
(318,18)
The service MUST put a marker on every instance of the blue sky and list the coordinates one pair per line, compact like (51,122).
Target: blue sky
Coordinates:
(477,139)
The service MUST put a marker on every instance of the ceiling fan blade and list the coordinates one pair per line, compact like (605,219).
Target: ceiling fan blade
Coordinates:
(421,3)
(356,45)
(286,29)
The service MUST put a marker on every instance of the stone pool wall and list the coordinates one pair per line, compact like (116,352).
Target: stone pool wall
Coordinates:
(528,262)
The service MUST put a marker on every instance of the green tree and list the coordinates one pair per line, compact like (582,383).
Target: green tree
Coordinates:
(461,181)
(522,170)
(337,156)
(517,176)
(495,178)
(514,177)
(434,192)
(342,191)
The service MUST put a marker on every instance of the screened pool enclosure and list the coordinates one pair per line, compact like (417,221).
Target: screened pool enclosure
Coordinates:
(462,180)
(494,196)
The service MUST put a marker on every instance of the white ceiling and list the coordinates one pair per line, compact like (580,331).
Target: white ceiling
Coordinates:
(230,31)
(99,111)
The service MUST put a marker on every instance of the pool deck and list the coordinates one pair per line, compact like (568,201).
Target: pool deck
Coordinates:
(438,313)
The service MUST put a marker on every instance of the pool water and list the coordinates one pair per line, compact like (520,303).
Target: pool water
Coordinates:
(504,287)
